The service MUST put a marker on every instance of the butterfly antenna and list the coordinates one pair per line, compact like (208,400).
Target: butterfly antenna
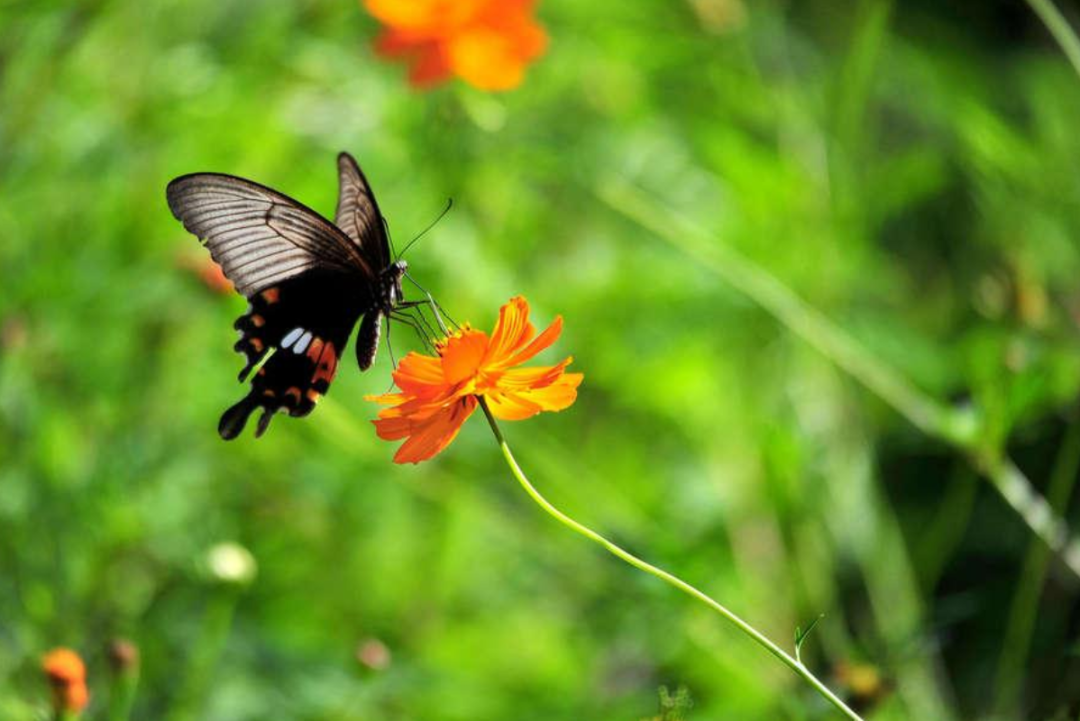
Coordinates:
(386,232)
(449,204)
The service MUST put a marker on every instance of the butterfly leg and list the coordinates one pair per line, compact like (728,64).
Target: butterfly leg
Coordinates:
(437,310)
(423,330)
(419,306)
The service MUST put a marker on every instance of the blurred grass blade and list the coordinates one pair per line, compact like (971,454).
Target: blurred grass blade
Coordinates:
(806,322)
(958,428)
(1059,27)
(1016,641)
(801,634)
(204,655)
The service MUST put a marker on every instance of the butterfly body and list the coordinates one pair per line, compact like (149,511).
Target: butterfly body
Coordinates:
(307,280)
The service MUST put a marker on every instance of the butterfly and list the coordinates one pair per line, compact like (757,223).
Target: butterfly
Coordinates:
(307,281)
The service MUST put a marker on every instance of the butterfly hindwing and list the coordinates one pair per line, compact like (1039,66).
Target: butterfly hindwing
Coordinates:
(304,324)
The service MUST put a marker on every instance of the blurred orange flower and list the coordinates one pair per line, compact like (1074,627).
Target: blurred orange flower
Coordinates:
(207,271)
(486,43)
(67,674)
(439,393)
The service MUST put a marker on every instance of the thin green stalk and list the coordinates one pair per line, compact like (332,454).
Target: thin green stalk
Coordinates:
(957,428)
(203,659)
(1016,641)
(122,695)
(1059,27)
(663,575)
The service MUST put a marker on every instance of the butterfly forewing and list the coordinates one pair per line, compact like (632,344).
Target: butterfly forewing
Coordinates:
(358,213)
(259,236)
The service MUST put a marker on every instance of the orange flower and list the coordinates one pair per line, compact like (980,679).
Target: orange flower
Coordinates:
(486,43)
(439,393)
(67,674)
(209,272)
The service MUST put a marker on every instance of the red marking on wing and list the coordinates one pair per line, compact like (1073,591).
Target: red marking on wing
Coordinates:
(327,366)
(314,351)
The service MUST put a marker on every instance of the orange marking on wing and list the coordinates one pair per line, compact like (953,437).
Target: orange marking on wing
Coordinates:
(327,365)
(294,392)
(256,344)
(315,350)
(313,395)
(258,321)
(269,393)
(271,295)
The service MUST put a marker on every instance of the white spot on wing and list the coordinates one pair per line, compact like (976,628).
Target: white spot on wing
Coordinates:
(302,344)
(291,337)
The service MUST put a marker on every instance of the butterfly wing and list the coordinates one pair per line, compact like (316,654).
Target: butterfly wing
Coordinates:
(258,236)
(358,214)
(304,324)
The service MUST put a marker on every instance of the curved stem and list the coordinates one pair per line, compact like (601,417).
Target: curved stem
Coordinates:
(1059,27)
(663,575)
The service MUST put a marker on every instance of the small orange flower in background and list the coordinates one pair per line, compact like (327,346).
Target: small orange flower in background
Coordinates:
(207,271)
(67,675)
(486,43)
(439,393)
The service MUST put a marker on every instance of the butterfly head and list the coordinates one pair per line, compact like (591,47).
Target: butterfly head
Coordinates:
(392,284)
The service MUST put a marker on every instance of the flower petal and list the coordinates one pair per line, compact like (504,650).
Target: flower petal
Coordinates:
(419,375)
(512,330)
(539,343)
(393,43)
(393,429)
(435,434)
(491,53)
(428,15)
(430,67)
(425,53)
(486,59)
(521,378)
(511,406)
(420,409)
(387,399)
(461,355)
(516,405)
(558,396)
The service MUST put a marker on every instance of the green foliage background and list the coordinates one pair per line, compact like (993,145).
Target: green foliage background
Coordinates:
(909,170)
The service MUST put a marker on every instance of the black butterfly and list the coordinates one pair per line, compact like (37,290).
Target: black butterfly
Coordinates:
(308,281)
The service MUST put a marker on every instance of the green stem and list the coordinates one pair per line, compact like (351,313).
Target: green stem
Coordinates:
(663,575)
(1059,27)
(957,428)
(122,695)
(204,655)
